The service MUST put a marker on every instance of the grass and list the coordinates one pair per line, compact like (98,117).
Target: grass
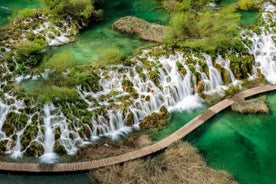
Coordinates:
(180,163)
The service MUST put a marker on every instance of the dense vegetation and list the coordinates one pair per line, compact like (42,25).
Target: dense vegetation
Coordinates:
(204,29)
(73,8)
(196,25)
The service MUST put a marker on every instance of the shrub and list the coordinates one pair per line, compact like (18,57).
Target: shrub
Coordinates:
(60,62)
(206,30)
(30,47)
(111,56)
(25,13)
(73,8)
(55,94)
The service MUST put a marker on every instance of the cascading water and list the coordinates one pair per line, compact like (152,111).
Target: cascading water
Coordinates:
(49,140)
(214,75)
(127,95)
(263,45)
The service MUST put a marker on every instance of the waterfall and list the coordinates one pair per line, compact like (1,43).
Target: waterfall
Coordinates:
(49,140)
(214,75)
(127,95)
(226,65)
(263,47)
(16,152)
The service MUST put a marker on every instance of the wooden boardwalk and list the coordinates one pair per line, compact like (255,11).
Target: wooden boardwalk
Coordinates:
(186,129)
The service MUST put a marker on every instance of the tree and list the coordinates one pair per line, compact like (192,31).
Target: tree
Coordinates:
(73,8)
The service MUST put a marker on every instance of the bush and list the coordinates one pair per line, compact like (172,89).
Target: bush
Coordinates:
(111,56)
(30,47)
(55,94)
(73,8)
(60,62)
(25,13)
(205,30)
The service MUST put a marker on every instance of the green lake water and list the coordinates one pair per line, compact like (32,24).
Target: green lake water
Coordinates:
(10,7)
(244,145)
(88,46)
(247,17)
(177,120)
(93,42)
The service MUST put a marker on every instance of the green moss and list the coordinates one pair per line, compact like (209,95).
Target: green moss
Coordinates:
(48,94)
(154,76)
(60,62)
(30,47)
(110,56)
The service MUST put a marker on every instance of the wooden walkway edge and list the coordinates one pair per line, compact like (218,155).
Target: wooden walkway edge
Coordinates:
(160,145)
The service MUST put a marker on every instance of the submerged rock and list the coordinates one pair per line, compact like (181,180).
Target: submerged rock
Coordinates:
(250,106)
(143,29)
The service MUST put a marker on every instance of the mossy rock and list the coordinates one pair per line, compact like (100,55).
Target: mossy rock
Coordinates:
(86,130)
(35,149)
(127,85)
(59,148)
(3,145)
(57,133)
(129,119)
(30,132)
(200,86)
(155,120)
(226,76)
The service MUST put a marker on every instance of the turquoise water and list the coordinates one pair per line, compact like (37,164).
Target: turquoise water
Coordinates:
(8,7)
(244,145)
(247,17)
(93,42)
(177,120)
(88,46)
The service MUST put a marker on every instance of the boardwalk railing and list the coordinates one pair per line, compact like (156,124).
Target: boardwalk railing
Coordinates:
(183,131)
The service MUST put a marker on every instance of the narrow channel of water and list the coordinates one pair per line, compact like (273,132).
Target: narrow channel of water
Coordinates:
(244,145)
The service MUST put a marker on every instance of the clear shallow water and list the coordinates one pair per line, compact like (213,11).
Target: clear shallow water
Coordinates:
(88,46)
(247,17)
(244,145)
(177,120)
(93,42)
(7,7)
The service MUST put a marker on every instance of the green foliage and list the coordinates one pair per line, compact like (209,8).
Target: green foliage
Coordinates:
(73,8)
(183,5)
(248,4)
(111,56)
(84,77)
(60,62)
(55,94)
(30,47)
(206,30)
(25,13)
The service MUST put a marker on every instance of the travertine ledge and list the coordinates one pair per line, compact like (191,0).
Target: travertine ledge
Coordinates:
(143,29)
